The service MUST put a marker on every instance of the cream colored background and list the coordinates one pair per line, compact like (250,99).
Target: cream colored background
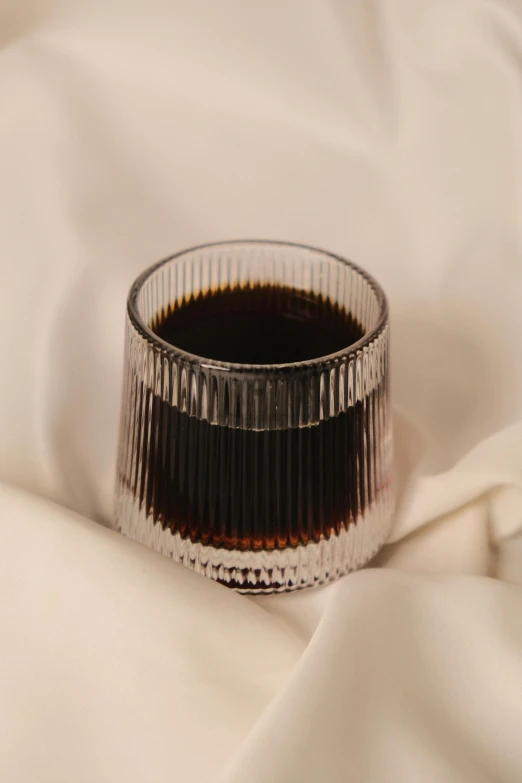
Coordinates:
(387,131)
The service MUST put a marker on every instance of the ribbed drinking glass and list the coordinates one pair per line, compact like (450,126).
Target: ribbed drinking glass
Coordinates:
(263,476)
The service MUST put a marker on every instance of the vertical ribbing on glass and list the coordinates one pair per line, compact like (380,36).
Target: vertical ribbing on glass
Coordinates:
(266,477)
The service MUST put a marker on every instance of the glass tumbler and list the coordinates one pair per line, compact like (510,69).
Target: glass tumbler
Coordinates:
(264,477)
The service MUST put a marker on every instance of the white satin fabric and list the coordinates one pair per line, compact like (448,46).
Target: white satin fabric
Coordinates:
(390,132)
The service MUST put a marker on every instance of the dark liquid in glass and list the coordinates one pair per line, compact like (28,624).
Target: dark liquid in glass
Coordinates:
(247,489)
(266,324)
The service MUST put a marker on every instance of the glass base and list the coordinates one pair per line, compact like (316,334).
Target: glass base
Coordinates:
(266,571)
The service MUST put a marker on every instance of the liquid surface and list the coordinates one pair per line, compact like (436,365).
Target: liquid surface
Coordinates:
(259,325)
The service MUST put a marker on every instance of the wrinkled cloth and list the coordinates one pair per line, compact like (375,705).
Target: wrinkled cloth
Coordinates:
(389,132)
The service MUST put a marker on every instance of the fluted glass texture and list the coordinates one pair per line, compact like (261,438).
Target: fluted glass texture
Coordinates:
(265,477)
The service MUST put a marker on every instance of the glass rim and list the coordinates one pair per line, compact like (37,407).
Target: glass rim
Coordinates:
(256,369)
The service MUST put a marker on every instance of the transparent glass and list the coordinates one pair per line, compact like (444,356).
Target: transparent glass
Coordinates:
(265,477)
